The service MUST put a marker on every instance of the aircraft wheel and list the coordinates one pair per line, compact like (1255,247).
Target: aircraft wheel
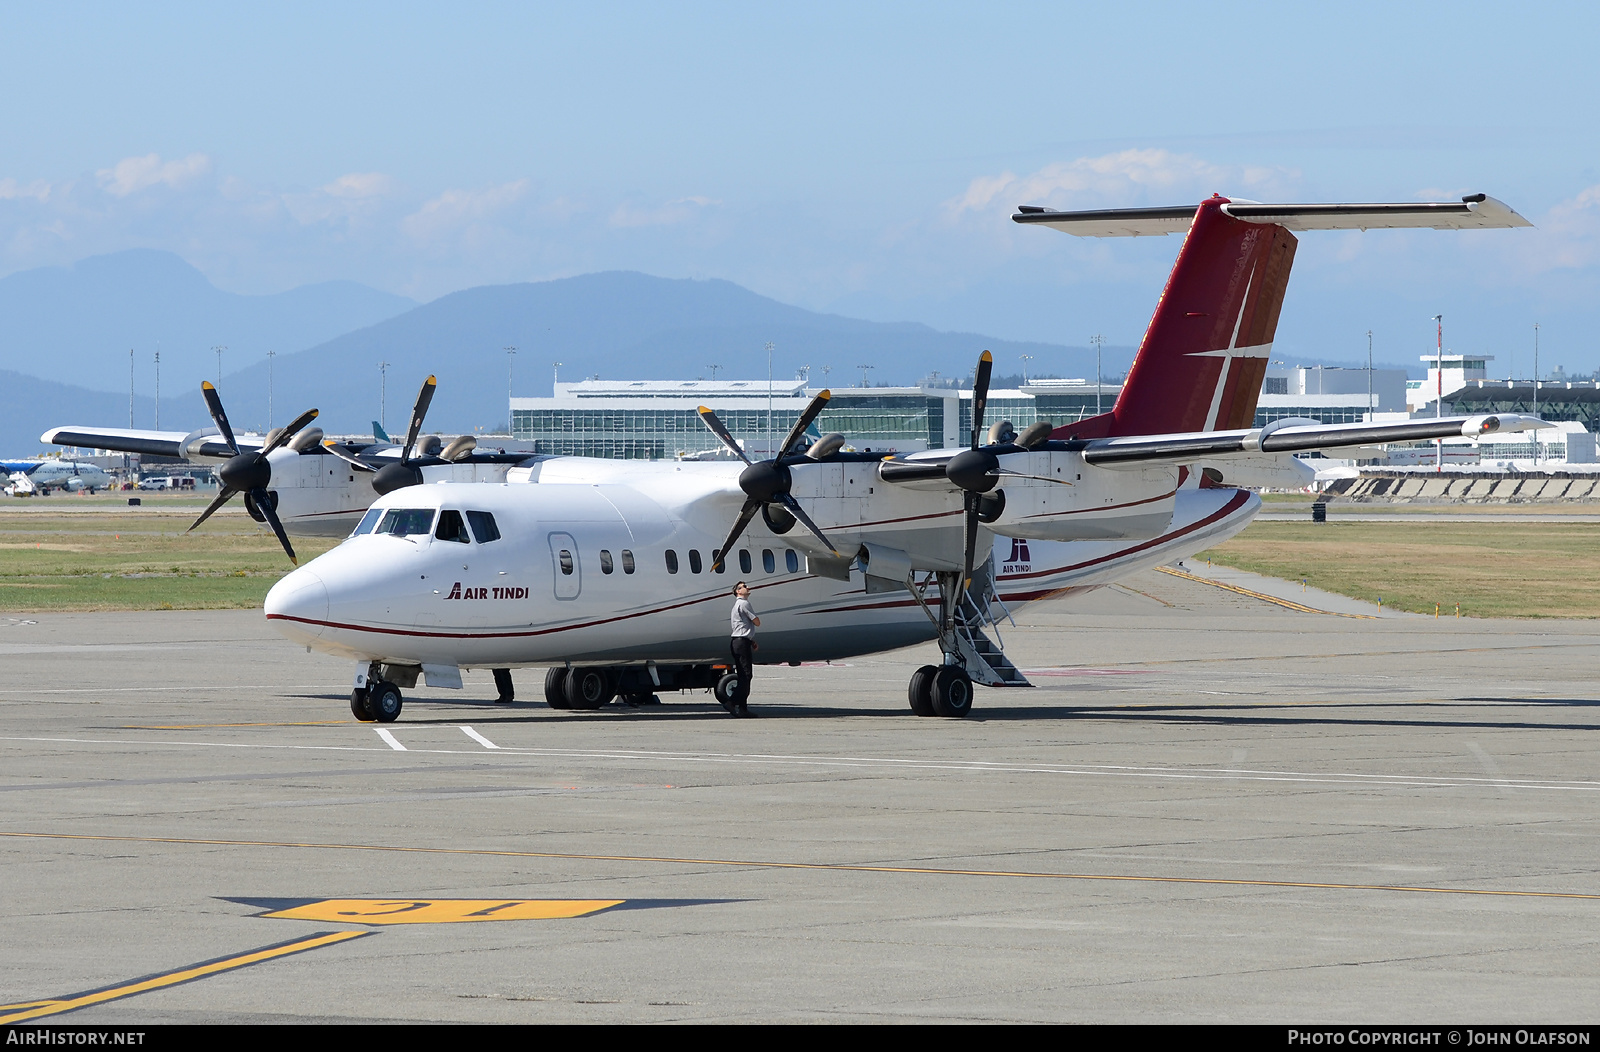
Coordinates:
(952,692)
(920,692)
(727,691)
(555,688)
(588,688)
(358,706)
(384,701)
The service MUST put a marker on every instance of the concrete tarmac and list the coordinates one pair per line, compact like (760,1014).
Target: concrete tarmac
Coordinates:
(1209,809)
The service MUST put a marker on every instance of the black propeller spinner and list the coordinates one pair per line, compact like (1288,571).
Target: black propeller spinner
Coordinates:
(767,483)
(249,473)
(391,477)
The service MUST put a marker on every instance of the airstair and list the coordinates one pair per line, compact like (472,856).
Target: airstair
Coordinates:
(983,658)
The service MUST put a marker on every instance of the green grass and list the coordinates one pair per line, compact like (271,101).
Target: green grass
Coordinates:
(1493,569)
(83,554)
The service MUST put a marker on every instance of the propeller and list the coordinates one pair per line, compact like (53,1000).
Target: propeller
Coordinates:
(391,477)
(249,473)
(767,483)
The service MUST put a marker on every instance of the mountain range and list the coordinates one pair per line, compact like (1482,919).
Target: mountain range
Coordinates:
(65,334)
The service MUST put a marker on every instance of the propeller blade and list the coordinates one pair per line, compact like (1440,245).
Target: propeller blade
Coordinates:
(969,501)
(208,391)
(264,505)
(818,404)
(805,520)
(980,394)
(721,432)
(349,457)
(418,411)
(224,494)
(289,432)
(746,513)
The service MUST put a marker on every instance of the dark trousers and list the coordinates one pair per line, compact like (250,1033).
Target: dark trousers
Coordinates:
(744,649)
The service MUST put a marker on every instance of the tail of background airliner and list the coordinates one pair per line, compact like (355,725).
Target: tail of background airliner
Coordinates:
(1203,358)
(1205,353)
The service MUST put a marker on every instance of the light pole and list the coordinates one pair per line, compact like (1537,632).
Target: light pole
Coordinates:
(769,397)
(270,355)
(383,395)
(158,387)
(1536,391)
(864,369)
(1438,405)
(555,377)
(1026,358)
(130,388)
(511,357)
(713,369)
(1369,376)
(1097,340)
(219,350)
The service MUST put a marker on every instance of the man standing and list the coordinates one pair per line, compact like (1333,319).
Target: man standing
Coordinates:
(744,623)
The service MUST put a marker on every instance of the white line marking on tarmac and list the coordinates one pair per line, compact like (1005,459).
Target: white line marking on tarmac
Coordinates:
(480,739)
(1204,774)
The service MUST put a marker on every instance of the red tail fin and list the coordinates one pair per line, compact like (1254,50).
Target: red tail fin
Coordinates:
(1202,362)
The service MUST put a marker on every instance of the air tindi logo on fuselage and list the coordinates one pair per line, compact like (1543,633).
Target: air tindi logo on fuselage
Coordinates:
(1019,561)
(457,592)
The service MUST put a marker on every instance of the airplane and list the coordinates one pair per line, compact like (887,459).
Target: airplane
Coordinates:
(38,477)
(311,485)
(614,575)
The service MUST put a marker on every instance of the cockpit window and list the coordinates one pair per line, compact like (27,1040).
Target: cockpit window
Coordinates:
(369,520)
(450,527)
(406,522)
(483,526)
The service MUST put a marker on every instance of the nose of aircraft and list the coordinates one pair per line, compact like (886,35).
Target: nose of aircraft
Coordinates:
(297,606)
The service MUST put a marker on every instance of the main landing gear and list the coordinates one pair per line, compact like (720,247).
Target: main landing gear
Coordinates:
(940,690)
(945,689)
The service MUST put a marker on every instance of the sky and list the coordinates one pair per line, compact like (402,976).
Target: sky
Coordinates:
(856,158)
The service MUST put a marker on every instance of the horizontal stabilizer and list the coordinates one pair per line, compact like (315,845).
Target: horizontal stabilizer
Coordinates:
(1476,211)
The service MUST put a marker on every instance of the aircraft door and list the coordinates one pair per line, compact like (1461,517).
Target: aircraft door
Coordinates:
(564,561)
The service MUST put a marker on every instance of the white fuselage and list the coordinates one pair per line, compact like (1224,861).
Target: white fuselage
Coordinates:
(603,562)
(59,474)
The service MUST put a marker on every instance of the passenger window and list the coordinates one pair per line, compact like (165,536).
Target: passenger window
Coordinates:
(483,527)
(694,560)
(605,561)
(744,560)
(672,561)
(368,521)
(406,522)
(450,527)
(791,560)
(768,563)
(627,561)
(566,562)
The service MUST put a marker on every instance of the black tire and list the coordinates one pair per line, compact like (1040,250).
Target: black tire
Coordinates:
(920,692)
(384,701)
(555,688)
(952,692)
(358,705)
(727,691)
(588,688)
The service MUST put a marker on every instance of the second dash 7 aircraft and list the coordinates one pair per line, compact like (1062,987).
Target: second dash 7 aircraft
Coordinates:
(614,575)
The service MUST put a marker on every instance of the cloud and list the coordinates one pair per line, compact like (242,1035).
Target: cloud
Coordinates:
(1116,179)
(681,210)
(346,198)
(11,190)
(132,174)
(1570,233)
(456,210)
(360,184)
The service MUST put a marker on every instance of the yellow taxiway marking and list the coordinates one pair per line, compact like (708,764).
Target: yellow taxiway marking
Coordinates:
(1174,571)
(21,1012)
(207,726)
(839,867)
(441,911)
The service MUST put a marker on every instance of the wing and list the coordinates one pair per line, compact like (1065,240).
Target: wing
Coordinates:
(1475,211)
(149,443)
(1139,450)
